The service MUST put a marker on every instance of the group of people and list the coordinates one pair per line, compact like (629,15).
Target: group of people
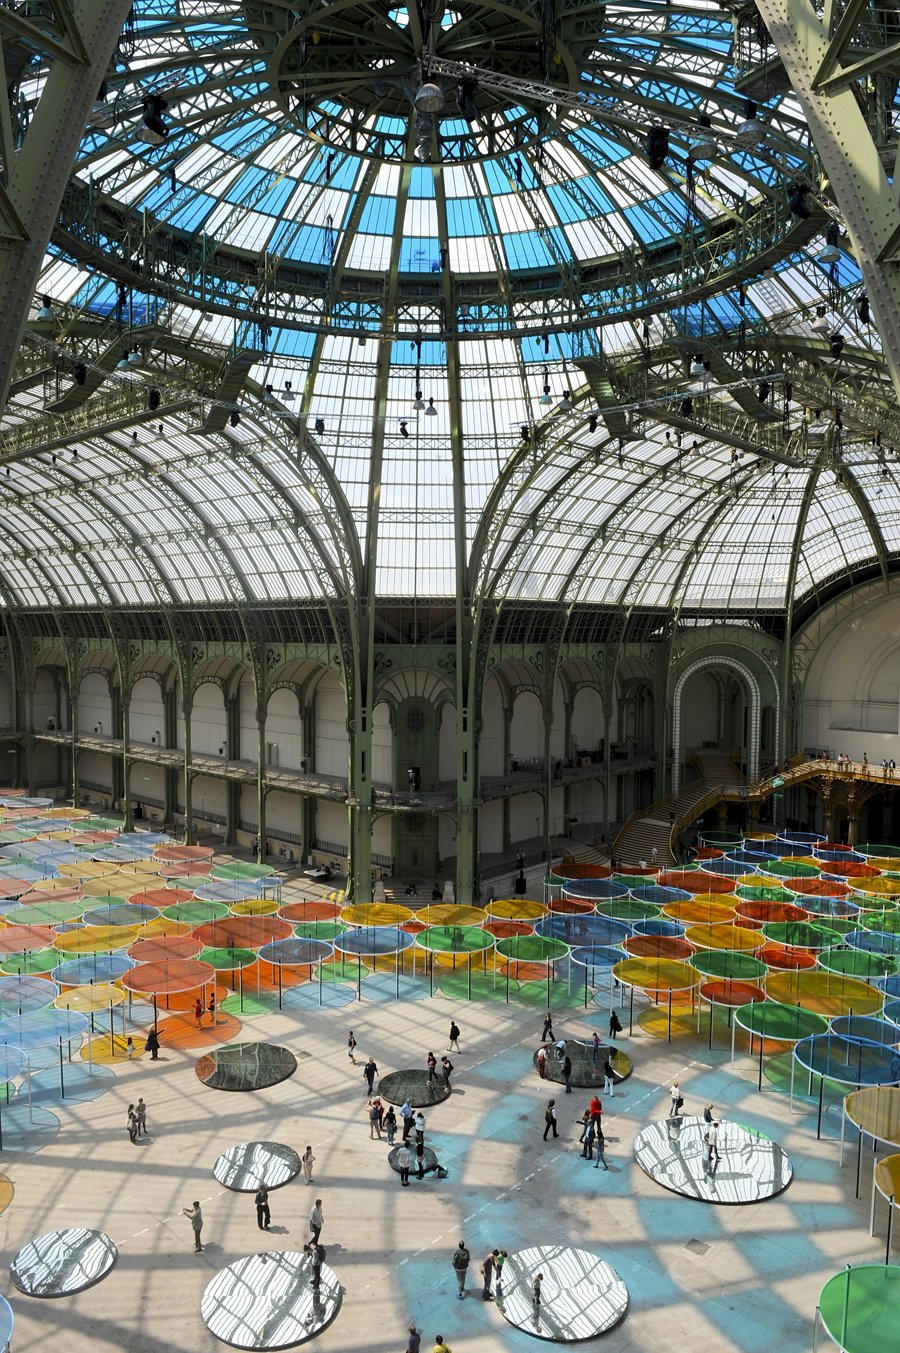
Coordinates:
(446,1067)
(404,1155)
(136,1122)
(211,1007)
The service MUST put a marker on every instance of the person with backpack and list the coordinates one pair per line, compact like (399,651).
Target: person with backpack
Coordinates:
(615,1026)
(460,1263)
(677,1100)
(454,1037)
(550,1118)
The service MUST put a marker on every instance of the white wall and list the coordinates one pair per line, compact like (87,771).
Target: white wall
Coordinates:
(44,698)
(526,738)
(148,782)
(490,741)
(490,828)
(332,745)
(526,817)
(852,695)
(283,728)
(207,720)
(209,795)
(588,727)
(96,768)
(382,746)
(331,823)
(146,713)
(700,710)
(94,705)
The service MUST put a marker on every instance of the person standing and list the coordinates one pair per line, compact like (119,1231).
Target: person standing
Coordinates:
(131,1124)
(708,1114)
(615,1026)
(406,1114)
(129,1048)
(536,1291)
(595,1049)
(140,1113)
(420,1159)
(307,1160)
(404,1160)
(609,1082)
(440,1346)
(454,1037)
(550,1118)
(542,1062)
(420,1128)
(460,1263)
(316,1220)
(712,1145)
(196,1217)
(547,1031)
(487,1273)
(446,1069)
(431,1063)
(316,1254)
(152,1044)
(567,1073)
(596,1110)
(370,1070)
(374,1125)
(389,1122)
(263,1215)
(198,1012)
(498,1264)
(351,1047)
(675,1098)
(587,1137)
(414,1341)
(600,1147)
(211,1007)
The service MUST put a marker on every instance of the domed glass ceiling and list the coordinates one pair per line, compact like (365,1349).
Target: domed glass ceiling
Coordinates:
(305,229)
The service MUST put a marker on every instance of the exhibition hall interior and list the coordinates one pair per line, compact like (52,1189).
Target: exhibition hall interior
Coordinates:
(449,675)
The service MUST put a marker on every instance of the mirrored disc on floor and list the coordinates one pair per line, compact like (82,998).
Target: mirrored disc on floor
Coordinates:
(581,1295)
(429,1159)
(413,1086)
(249,1165)
(62,1262)
(246,1066)
(750,1167)
(268,1301)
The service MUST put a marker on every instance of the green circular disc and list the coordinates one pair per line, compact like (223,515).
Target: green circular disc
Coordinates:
(320,930)
(801,934)
(196,912)
(240,870)
(46,913)
(887,922)
(859,1306)
(627,909)
(532,948)
(728,963)
(39,961)
(858,963)
(227,960)
(781,1023)
(456,939)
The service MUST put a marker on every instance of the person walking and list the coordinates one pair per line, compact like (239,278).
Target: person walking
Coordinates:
(140,1113)
(712,1146)
(587,1137)
(196,1217)
(316,1220)
(615,1026)
(374,1125)
(596,1110)
(420,1128)
(550,1118)
(446,1070)
(307,1160)
(440,1346)
(542,1062)
(708,1114)
(536,1291)
(414,1342)
(454,1037)
(595,1049)
(132,1124)
(152,1044)
(567,1073)
(263,1215)
(600,1148)
(498,1264)
(676,1099)
(212,1008)
(420,1159)
(404,1160)
(389,1123)
(406,1114)
(547,1031)
(198,1012)
(316,1254)
(370,1071)
(487,1273)
(431,1063)
(460,1263)
(129,1048)
(609,1079)
(351,1047)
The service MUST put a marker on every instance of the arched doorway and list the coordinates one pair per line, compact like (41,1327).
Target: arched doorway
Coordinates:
(716,707)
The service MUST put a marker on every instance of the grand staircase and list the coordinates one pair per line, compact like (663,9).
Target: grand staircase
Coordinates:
(652,827)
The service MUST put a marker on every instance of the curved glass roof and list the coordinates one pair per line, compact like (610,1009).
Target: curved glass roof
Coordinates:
(625,393)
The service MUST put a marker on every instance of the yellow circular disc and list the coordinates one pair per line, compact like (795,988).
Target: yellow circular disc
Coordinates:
(146,868)
(725,937)
(7,1190)
(887,1173)
(876,1110)
(516,909)
(879,887)
(120,883)
(96,939)
(111,1048)
(808,859)
(656,974)
(881,864)
(760,836)
(376,913)
(161,925)
(64,885)
(88,998)
(86,869)
(754,881)
(698,912)
(826,993)
(254,906)
(64,834)
(449,913)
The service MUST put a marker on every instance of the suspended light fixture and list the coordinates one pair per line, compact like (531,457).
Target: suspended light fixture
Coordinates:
(862,310)
(836,344)
(546,397)
(698,366)
(153,130)
(319,426)
(287,393)
(234,418)
(830,253)
(429,98)
(135,358)
(565,404)
(268,397)
(703,145)
(431,411)
(418,402)
(123,363)
(592,423)
(751,131)
(657,146)
(46,311)
(820,324)
(404,429)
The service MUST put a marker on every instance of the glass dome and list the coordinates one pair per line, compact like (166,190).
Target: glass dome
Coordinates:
(424,308)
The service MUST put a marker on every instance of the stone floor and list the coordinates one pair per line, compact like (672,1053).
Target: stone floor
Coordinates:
(699,1277)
